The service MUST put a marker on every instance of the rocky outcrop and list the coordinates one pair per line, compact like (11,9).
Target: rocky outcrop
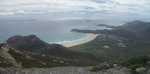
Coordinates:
(66,70)
(4,54)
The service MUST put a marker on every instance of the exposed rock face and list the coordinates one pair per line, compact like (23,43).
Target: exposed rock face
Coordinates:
(67,70)
(1,45)
(141,70)
(4,54)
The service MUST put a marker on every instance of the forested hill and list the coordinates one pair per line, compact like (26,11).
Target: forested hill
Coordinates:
(129,39)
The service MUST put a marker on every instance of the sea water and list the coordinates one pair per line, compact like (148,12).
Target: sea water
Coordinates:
(45,28)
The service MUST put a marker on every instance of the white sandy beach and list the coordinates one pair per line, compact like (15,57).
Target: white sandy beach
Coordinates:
(83,40)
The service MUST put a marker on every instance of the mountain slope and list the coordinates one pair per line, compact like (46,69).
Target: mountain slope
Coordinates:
(30,51)
(128,40)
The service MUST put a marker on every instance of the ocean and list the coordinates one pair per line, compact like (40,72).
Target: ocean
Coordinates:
(47,29)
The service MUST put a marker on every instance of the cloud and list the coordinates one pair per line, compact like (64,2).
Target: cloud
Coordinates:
(76,8)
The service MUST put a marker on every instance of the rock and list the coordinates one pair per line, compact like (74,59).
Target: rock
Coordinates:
(62,62)
(102,66)
(106,46)
(63,70)
(43,55)
(115,65)
(140,70)
(54,60)
(121,45)
(3,44)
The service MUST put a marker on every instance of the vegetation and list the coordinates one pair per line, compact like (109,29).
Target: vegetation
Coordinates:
(121,46)
(40,61)
(4,63)
(25,52)
(136,62)
(118,43)
(126,45)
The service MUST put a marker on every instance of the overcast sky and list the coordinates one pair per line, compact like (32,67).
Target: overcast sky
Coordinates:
(77,8)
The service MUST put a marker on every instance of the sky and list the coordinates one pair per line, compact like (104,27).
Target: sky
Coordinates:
(70,9)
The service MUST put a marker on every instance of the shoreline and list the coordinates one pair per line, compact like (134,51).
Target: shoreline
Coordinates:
(86,39)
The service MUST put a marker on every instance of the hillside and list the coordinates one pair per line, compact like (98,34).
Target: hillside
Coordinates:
(121,50)
(126,45)
(128,40)
(30,51)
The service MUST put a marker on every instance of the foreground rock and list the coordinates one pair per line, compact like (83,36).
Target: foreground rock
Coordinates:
(65,70)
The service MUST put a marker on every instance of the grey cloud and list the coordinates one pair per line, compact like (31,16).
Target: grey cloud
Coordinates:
(81,8)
